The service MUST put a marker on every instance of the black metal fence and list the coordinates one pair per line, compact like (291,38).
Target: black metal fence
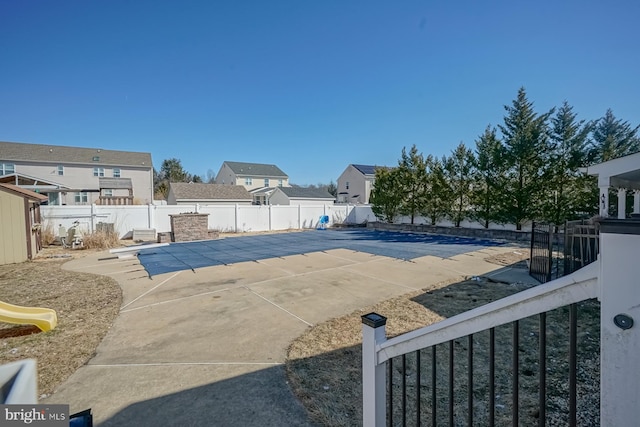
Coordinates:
(581,244)
(558,251)
(544,264)
(500,377)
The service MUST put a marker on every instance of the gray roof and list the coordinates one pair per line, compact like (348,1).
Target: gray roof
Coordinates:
(198,191)
(115,183)
(256,169)
(306,193)
(18,151)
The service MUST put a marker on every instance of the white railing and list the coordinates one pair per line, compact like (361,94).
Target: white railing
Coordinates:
(612,279)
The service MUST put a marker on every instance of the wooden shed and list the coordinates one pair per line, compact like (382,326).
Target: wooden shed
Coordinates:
(20,224)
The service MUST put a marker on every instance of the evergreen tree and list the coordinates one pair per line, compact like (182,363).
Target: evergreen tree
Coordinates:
(613,138)
(459,174)
(386,195)
(439,195)
(524,135)
(488,177)
(412,176)
(568,191)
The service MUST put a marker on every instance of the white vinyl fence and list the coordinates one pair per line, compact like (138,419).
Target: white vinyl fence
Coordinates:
(224,218)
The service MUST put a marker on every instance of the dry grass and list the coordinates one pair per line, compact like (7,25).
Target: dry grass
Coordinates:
(48,236)
(324,364)
(101,240)
(86,306)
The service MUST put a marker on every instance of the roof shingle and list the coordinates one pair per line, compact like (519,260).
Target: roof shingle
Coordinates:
(198,191)
(256,169)
(306,193)
(18,151)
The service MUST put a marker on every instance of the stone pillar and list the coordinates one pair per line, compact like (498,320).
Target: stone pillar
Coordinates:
(622,203)
(636,202)
(604,201)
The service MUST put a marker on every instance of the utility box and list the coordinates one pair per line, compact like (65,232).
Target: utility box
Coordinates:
(144,234)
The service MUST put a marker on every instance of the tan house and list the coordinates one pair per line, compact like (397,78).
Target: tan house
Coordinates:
(181,193)
(78,176)
(251,175)
(20,224)
(355,184)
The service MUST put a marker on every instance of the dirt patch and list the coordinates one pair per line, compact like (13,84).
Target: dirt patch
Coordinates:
(86,305)
(324,364)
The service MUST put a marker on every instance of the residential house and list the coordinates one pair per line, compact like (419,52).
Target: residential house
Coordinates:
(355,184)
(302,196)
(76,175)
(251,175)
(181,193)
(20,224)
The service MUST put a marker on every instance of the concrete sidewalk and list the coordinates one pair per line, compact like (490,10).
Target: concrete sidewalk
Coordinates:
(208,348)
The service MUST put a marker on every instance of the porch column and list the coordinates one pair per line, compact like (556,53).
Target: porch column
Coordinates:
(619,322)
(622,203)
(636,202)
(604,201)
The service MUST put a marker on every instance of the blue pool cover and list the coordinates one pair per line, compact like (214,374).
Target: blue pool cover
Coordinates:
(401,245)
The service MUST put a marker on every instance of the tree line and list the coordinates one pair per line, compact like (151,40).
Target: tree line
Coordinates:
(528,168)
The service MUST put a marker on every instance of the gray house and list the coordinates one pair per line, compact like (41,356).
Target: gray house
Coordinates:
(181,193)
(76,175)
(300,196)
(355,183)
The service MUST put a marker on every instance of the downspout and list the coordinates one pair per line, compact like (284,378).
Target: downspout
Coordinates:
(27,227)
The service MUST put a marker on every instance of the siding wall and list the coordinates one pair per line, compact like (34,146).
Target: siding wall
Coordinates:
(13,243)
(81,177)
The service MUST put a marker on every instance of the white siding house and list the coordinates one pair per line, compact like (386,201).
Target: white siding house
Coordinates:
(78,176)
(355,184)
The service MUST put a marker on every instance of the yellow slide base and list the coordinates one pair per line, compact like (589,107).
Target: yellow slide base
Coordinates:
(44,318)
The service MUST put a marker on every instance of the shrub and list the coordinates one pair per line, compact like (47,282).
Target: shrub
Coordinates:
(101,240)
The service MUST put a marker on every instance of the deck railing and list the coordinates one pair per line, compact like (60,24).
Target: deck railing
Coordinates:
(394,369)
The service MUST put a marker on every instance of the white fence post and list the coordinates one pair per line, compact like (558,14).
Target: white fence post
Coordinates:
(374,408)
(619,322)
(236,218)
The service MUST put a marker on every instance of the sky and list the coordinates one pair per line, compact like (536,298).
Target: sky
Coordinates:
(310,86)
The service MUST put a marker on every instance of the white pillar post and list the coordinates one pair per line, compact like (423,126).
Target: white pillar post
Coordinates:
(299,217)
(604,201)
(269,217)
(236,218)
(374,408)
(619,323)
(93,218)
(636,202)
(622,203)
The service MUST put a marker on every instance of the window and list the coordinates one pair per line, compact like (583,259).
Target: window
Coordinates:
(7,168)
(54,199)
(98,171)
(347,185)
(108,193)
(266,182)
(81,198)
(279,183)
(60,170)
(96,158)
(116,172)
(248,181)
